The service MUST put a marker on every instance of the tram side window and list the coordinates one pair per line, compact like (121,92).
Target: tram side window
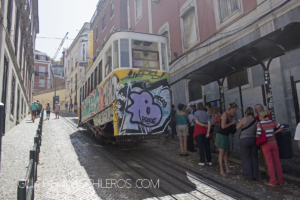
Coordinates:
(89,85)
(95,78)
(85,93)
(145,54)
(92,82)
(164,57)
(124,48)
(116,54)
(108,66)
(100,73)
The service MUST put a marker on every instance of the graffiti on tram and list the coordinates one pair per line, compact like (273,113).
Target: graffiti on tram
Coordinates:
(140,101)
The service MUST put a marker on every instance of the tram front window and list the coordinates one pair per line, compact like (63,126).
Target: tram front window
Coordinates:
(108,65)
(145,54)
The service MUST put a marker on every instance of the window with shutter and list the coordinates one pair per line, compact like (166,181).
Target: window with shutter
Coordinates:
(138,10)
(103,22)
(227,8)
(189,28)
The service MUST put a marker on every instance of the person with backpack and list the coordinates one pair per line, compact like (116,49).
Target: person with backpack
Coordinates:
(48,109)
(248,148)
(182,129)
(34,107)
(265,138)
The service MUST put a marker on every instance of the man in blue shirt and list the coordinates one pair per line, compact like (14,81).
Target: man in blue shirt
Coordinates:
(34,108)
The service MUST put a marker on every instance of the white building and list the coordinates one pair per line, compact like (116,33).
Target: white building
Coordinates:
(19,26)
(77,60)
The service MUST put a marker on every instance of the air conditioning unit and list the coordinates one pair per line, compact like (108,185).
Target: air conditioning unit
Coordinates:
(155,1)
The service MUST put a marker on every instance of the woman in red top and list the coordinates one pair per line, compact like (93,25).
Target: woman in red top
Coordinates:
(270,148)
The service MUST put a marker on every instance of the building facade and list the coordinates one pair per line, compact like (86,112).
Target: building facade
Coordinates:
(77,60)
(43,73)
(20,24)
(58,70)
(203,33)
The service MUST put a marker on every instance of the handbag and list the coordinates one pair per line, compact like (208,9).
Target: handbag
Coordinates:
(263,138)
(233,129)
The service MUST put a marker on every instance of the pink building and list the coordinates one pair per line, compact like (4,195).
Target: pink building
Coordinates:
(186,23)
(43,73)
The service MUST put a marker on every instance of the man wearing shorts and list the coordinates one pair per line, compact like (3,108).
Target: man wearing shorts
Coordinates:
(56,109)
(34,107)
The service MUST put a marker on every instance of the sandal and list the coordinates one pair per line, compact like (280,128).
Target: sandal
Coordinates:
(269,184)
(224,175)
(181,154)
(186,154)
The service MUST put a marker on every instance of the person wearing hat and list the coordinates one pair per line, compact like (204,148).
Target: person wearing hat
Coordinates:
(34,108)
(56,110)
(193,107)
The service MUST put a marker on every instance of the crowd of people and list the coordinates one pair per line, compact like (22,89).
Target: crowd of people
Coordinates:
(36,108)
(210,130)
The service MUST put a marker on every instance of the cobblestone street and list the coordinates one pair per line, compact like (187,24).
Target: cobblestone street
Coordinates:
(74,166)
(15,156)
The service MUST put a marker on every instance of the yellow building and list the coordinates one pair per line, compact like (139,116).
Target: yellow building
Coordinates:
(46,96)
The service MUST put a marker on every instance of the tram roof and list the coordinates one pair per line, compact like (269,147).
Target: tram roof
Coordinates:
(272,45)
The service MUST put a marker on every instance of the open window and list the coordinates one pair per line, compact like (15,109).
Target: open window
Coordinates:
(108,59)
(145,54)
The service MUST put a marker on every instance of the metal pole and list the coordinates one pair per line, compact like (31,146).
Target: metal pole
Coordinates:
(268,88)
(2,127)
(241,97)
(54,87)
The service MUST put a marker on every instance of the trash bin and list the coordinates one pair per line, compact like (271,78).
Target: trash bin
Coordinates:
(284,142)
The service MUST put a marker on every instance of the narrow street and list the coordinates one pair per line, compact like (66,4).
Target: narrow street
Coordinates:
(73,165)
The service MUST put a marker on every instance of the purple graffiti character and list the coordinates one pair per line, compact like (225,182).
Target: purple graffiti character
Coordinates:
(143,109)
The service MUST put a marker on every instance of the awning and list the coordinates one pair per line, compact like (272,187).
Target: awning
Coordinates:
(269,46)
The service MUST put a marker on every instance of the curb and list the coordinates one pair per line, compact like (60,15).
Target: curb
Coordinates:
(239,162)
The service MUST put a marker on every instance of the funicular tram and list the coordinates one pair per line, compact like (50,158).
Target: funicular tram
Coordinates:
(125,95)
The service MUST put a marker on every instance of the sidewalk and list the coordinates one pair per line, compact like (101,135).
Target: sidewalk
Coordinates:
(15,156)
(290,167)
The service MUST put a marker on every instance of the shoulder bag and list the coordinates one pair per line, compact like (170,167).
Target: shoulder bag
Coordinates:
(245,128)
(263,138)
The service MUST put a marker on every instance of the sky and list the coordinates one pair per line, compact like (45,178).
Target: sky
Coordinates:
(56,18)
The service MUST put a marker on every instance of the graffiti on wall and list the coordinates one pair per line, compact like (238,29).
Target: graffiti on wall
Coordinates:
(140,101)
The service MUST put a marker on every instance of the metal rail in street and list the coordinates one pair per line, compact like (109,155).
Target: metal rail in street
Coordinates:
(172,181)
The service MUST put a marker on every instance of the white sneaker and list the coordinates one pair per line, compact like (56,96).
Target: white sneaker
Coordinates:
(210,163)
(201,164)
